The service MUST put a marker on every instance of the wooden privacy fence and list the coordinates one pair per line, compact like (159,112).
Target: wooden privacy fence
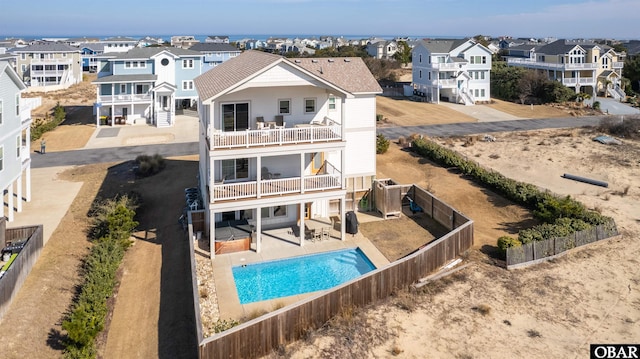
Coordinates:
(12,280)
(265,334)
(531,253)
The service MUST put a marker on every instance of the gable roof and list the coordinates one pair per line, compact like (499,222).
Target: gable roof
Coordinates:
(213,47)
(348,74)
(120,39)
(125,78)
(563,46)
(6,68)
(47,47)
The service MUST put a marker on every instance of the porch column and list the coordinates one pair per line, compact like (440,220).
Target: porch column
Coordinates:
(258,229)
(211,178)
(343,160)
(302,231)
(113,107)
(19,193)
(28,182)
(259,177)
(10,202)
(212,233)
(302,175)
(343,225)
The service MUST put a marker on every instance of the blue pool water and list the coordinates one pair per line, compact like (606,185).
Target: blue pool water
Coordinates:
(285,277)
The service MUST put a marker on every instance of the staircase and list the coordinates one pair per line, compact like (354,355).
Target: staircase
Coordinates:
(163,119)
(617,93)
(467,99)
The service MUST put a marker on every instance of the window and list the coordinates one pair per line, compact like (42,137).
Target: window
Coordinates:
(187,64)
(332,103)
(17,104)
(235,169)
(187,85)
(309,105)
(64,54)
(482,93)
(420,58)
(18,145)
(420,74)
(1,158)
(0,112)
(123,88)
(23,56)
(477,93)
(235,116)
(23,67)
(277,211)
(284,107)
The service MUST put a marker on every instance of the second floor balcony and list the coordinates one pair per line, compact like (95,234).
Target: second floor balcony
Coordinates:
(584,81)
(533,64)
(300,133)
(125,98)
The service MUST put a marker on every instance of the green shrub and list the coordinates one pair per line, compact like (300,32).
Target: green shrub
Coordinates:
(114,222)
(505,242)
(38,128)
(596,105)
(382,144)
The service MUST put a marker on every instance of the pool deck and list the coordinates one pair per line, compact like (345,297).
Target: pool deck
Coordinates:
(277,244)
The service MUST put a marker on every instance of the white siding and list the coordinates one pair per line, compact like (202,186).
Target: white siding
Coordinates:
(9,129)
(360,152)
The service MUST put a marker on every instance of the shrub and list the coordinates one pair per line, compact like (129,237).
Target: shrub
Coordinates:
(38,128)
(222,325)
(505,242)
(629,127)
(382,144)
(596,105)
(150,165)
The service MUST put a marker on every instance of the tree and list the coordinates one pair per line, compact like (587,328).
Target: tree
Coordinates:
(403,55)
(504,80)
(631,71)
(481,39)
(531,84)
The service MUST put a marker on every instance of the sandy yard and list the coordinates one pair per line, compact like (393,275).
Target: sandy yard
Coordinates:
(554,309)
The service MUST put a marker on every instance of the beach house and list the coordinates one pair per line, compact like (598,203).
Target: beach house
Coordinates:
(585,66)
(15,133)
(146,84)
(284,142)
(215,53)
(451,70)
(48,66)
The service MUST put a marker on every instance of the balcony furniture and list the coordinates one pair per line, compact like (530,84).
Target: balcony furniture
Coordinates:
(280,121)
(260,122)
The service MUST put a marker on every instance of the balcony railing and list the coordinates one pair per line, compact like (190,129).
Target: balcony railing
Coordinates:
(266,137)
(581,81)
(445,65)
(544,65)
(275,187)
(618,65)
(125,98)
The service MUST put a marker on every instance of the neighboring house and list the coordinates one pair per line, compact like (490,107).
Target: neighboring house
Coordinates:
(285,140)
(451,70)
(215,53)
(382,49)
(48,65)
(217,39)
(150,41)
(582,65)
(119,44)
(522,52)
(15,137)
(183,42)
(89,52)
(147,85)
(79,41)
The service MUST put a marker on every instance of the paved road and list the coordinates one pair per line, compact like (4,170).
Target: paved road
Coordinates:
(111,154)
(615,107)
(460,129)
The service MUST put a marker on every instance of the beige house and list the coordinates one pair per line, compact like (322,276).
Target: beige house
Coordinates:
(587,67)
(48,66)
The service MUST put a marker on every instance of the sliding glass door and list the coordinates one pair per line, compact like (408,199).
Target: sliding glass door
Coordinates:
(235,116)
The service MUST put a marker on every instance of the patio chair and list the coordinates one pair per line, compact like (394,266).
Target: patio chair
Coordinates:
(260,122)
(280,121)
(326,233)
(316,235)
(265,174)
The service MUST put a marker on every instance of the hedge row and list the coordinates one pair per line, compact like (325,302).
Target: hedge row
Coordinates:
(38,128)
(112,229)
(561,215)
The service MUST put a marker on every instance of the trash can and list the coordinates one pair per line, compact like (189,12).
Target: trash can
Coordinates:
(351,222)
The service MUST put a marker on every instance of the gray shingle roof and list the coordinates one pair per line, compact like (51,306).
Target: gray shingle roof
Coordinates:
(148,52)
(120,38)
(125,78)
(97,47)
(563,46)
(349,74)
(47,47)
(213,47)
(442,46)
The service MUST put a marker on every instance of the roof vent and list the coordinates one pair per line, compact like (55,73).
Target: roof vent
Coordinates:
(330,60)
(297,61)
(347,60)
(314,61)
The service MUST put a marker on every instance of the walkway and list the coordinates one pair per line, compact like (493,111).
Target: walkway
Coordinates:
(615,107)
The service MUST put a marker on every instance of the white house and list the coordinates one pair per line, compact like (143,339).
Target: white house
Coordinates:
(285,140)
(15,125)
(451,70)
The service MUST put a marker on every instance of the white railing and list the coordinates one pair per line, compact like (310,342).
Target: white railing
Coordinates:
(467,98)
(544,65)
(616,93)
(249,138)
(581,81)
(24,153)
(274,187)
(124,98)
(618,65)
(445,65)
(51,61)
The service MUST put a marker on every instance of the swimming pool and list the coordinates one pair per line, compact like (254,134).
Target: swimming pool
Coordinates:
(285,277)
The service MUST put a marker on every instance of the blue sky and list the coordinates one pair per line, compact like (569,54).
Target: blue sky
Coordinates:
(518,18)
